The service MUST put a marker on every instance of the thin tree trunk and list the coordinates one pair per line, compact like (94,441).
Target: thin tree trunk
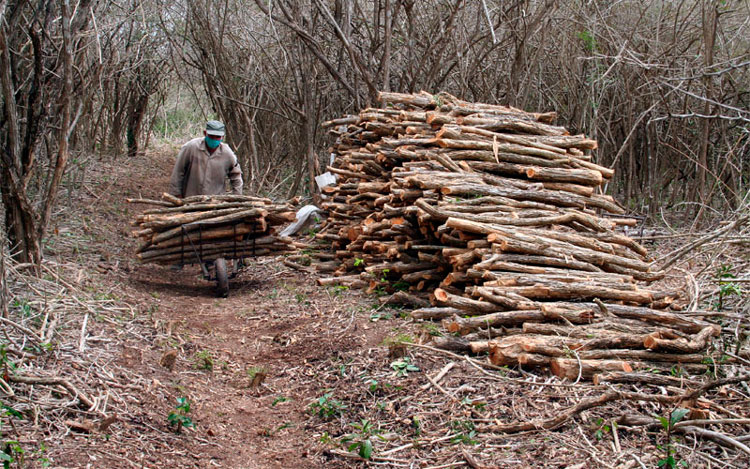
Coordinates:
(710,19)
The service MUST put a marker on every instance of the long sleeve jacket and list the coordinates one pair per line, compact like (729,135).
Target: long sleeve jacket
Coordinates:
(198,172)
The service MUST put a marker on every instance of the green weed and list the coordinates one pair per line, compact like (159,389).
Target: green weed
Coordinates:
(179,417)
(361,440)
(464,432)
(670,461)
(727,288)
(326,407)
(203,360)
(403,366)
(279,400)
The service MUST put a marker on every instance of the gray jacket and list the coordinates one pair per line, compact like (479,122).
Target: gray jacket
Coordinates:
(197,172)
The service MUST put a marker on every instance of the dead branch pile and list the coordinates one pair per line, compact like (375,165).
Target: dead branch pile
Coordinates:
(497,217)
(229,226)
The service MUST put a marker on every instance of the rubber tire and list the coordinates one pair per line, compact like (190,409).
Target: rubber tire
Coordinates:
(222,280)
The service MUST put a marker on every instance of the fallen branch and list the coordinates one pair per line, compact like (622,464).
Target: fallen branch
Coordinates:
(609,396)
(54,381)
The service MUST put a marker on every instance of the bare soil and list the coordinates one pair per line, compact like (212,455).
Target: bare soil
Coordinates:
(331,381)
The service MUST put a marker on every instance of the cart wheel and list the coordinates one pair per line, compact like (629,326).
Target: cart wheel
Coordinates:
(222,281)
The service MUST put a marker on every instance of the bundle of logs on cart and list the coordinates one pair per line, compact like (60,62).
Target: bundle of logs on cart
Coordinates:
(494,221)
(210,227)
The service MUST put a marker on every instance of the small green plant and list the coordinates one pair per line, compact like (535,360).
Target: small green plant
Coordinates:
(339,289)
(326,407)
(416,425)
(403,366)
(477,404)
(432,329)
(727,288)
(400,285)
(39,453)
(203,360)
(361,440)
(358,262)
(24,306)
(178,418)
(676,371)
(398,339)
(279,400)
(601,428)
(378,315)
(670,461)
(589,42)
(12,452)
(464,432)
(384,275)
(372,385)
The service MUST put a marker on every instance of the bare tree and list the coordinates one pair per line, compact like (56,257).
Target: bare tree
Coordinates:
(39,84)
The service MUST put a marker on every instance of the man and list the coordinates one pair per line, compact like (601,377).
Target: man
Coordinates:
(204,164)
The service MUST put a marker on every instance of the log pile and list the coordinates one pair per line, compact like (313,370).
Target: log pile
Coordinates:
(498,218)
(229,226)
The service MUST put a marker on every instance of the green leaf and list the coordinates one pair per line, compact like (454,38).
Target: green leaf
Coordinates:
(677,415)
(365,450)
(667,462)
(664,421)
(10,411)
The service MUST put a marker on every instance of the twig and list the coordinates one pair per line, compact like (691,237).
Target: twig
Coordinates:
(715,436)
(440,375)
(23,329)
(471,460)
(616,437)
(638,460)
(54,381)
(678,254)
(441,389)
(59,279)
(82,341)
(480,365)
(417,443)
(699,422)
(6,388)
(610,396)
(450,464)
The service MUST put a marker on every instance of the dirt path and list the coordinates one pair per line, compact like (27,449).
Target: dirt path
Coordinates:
(275,320)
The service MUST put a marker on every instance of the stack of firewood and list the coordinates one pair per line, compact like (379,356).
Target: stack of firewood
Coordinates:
(497,217)
(209,227)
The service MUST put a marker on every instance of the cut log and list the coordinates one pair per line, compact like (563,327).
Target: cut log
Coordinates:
(434,313)
(467,305)
(463,326)
(570,368)
(697,343)
(643,378)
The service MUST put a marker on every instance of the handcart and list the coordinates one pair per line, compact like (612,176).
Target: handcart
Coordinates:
(214,265)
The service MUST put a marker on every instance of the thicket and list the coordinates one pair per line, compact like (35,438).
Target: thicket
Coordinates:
(662,85)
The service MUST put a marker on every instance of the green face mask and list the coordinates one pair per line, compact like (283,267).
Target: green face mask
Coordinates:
(212,144)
